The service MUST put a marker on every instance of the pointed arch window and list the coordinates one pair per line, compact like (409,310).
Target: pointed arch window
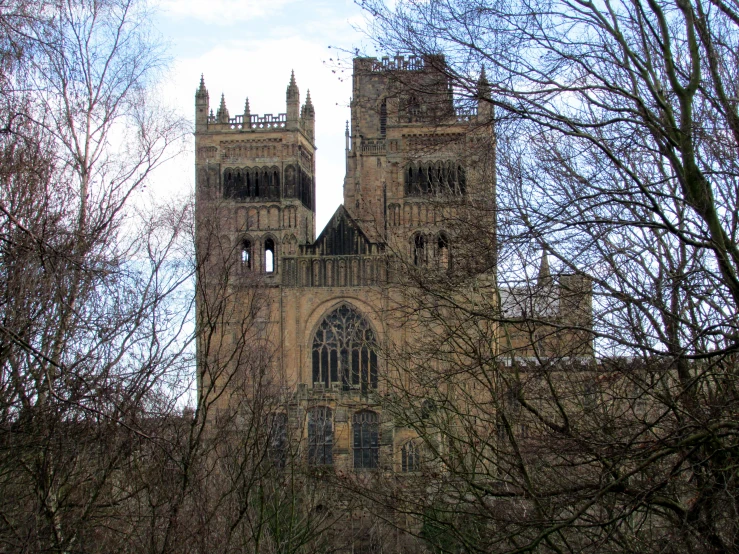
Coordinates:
(246,254)
(419,250)
(413,108)
(320,436)
(274,183)
(344,351)
(270,262)
(366,427)
(442,251)
(410,456)
(239,185)
(228,183)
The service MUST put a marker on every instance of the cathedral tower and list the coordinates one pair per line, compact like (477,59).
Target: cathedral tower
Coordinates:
(413,162)
(414,157)
(257,172)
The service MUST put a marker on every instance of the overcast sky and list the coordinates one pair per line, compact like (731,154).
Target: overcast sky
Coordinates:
(248,48)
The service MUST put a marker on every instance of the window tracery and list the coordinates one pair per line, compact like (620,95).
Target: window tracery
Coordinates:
(410,456)
(344,351)
(366,427)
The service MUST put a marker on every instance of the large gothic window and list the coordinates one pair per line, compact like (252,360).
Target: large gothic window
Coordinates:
(320,436)
(366,426)
(345,351)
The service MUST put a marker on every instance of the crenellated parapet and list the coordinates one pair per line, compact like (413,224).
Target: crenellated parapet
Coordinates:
(396,63)
(296,117)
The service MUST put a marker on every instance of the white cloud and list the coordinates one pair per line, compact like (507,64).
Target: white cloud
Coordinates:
(224,12)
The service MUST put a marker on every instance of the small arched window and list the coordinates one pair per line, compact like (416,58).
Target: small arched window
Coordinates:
(366,426)
(442,251)
(426,172)
(437,177)
(419,250)
(410,456)
(239,186)
(274,185)
(320,436)
(256,183)
(270,264)
(410,182)
(228,183)
(249,177)
(413,108)
(246,254)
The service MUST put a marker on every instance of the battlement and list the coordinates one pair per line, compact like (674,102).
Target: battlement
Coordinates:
(398,63)
(255,122)
(295,118)
(465,114)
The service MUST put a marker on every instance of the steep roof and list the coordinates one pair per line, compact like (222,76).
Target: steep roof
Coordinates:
(342,236)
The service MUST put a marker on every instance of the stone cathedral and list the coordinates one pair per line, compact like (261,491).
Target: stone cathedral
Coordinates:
(316,312)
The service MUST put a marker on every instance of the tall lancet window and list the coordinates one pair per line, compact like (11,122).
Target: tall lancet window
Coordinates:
(345,351)
(269,256)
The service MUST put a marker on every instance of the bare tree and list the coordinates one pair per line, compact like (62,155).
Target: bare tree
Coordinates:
(617,137)
(92,328)
(115,434)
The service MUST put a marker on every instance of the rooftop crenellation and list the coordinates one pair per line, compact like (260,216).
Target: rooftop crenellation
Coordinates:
(399,63)
(296,117)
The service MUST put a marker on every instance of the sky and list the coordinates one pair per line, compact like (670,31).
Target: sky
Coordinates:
(247,48)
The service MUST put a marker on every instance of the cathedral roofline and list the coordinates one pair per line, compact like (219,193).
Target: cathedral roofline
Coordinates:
(343,236)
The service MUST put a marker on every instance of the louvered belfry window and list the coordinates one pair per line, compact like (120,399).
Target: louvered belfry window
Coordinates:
(345,351)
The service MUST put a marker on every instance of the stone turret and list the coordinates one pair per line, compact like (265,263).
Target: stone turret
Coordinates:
(202,101)
(247,114)
(484,105)
(545,277)
(222,113)
(293,103)
(308,118)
